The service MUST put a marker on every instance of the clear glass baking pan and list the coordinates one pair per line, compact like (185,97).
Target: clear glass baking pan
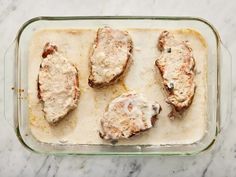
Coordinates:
(218,84)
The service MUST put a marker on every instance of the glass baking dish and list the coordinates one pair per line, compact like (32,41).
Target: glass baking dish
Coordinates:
(218,84)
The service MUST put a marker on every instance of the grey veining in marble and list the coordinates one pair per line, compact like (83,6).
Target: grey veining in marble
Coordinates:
(15,160)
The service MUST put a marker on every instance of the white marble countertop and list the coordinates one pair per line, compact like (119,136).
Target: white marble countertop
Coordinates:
(15,160)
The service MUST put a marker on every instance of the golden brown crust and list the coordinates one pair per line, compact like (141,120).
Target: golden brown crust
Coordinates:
(162,40)
(48,49)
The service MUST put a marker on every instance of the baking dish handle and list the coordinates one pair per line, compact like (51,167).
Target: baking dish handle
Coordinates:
(9,84)
(225,86)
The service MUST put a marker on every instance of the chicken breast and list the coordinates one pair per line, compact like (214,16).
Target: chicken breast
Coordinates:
(176,65)
(110,57)
(128,115)
(58,84)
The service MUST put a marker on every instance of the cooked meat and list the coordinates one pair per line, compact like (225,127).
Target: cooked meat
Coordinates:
(128,115)
(110,57)
(176,65)
(58,84)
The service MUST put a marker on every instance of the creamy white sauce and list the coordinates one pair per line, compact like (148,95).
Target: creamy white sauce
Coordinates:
(82,125)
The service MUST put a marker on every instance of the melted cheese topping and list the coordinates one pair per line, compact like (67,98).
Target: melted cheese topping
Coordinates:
(127,115)
(58,86)
(110,54)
